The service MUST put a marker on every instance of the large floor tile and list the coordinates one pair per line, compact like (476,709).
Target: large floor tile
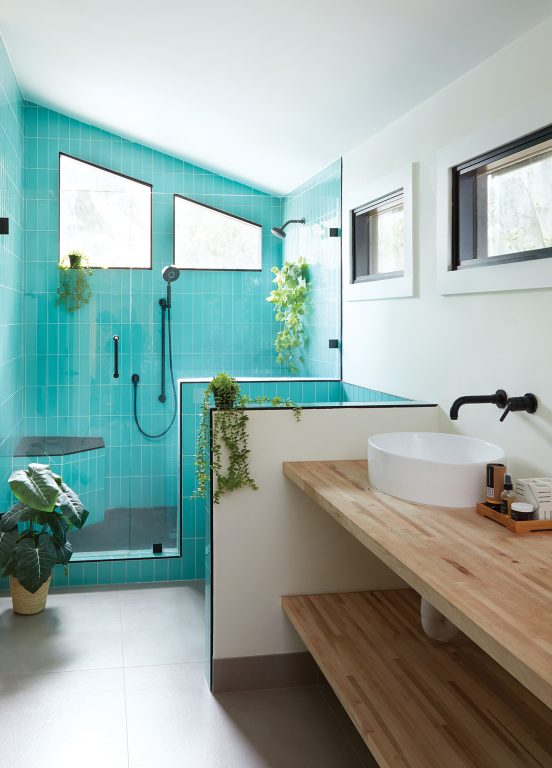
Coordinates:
(63,720)
(173,719)
(77,631)
(163,626)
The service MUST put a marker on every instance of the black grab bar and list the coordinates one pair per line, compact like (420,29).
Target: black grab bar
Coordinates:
(115,357)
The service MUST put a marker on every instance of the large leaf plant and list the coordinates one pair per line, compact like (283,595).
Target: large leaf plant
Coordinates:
(33,533)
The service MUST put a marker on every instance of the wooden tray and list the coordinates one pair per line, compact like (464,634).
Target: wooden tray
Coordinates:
(516,526)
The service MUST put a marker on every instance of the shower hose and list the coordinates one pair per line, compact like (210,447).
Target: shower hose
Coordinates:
(136,379)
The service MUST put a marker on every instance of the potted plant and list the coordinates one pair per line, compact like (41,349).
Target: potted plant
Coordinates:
(33,534)
(229,445)
(290,302)
(74,289)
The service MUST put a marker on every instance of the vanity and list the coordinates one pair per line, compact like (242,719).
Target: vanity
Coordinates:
(482,700)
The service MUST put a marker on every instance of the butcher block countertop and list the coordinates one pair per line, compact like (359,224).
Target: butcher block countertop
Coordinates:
(494,585)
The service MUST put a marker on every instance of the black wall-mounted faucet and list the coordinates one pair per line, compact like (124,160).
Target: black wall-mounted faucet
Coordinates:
(500,399)
(527,403)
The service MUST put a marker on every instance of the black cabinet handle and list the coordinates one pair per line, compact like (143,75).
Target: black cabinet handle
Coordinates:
(115,357)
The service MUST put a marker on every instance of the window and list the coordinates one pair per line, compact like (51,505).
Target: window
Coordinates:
(206,238)
(104,215)
(502,204)
(378,238)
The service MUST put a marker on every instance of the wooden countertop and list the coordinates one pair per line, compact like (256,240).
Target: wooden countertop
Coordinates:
(495,586)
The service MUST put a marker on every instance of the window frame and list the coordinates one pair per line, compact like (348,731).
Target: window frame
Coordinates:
(355,196)
(384,202)
(468,170)
(116,173)
(224,213)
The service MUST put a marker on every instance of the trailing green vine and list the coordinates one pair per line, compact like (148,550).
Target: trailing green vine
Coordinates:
(229,445)
(74,289)
(290,299)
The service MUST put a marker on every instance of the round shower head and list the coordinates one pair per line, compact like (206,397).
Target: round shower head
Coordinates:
(279,231)
(170,274)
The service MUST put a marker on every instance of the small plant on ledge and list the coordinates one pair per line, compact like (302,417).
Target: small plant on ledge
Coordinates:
(290,301)
(74,289)
(229,439)
(33,533)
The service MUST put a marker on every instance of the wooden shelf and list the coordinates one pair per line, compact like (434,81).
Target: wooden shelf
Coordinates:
(496,587)
(417,703)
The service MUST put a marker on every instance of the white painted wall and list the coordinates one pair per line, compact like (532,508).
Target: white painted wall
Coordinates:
(275,541)
(434,347)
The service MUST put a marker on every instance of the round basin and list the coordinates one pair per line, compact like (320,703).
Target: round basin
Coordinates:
(431,467)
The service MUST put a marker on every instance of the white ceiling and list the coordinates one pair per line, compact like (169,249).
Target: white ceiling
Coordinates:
(266,92)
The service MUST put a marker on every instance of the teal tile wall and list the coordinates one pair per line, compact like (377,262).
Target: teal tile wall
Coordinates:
(12,274)
(220,321)
(319,201)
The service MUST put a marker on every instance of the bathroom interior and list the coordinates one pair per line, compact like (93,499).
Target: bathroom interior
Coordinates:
(349,562)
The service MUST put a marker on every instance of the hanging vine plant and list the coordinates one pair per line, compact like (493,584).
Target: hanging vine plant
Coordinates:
(74,289)
(229,438)
(290,302)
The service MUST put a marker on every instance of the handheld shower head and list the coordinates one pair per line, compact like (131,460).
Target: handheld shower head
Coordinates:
(279,231)
(170,274)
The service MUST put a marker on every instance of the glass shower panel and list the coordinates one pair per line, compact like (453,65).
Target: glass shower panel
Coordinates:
(154,515)
(98,409)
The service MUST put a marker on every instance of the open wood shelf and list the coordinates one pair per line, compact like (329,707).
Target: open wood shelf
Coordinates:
(496,587)
(415,702)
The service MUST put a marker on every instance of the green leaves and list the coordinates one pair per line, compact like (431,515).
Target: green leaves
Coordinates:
(33,533)
(71,506)
(34,561)
(290,300)
(35,486)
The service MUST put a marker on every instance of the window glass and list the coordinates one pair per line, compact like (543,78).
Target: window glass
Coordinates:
(206,238)
(503,204)
(103,215)
(519,206)
(378,241)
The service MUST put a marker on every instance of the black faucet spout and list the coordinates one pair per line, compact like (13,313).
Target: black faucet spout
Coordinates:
(499,399)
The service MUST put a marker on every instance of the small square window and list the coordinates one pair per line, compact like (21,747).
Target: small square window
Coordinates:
(378,238)
(104,215)
(502,204)
(206,238)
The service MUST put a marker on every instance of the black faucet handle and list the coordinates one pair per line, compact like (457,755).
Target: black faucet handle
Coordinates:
(527,402)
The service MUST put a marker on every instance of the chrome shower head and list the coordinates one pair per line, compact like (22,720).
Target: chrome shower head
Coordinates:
(279,231)
(170,274)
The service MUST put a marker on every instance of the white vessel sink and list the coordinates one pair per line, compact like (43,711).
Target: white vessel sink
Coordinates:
(431,467)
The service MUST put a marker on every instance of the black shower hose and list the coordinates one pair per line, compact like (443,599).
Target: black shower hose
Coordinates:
(136,379)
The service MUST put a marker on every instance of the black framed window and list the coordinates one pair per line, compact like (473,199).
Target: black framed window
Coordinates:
(104,215)
(378,238)
(502,204)
(211,239)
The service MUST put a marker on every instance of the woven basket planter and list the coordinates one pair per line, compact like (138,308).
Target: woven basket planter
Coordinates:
(26,602)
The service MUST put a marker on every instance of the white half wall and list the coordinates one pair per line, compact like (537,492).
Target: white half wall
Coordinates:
(435,347)
(275,541)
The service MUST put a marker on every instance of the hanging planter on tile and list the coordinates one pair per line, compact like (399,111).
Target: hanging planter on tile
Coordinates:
(290,303)
(74,289)
(33,534)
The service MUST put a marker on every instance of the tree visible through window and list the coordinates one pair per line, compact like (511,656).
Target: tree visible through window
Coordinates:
(206,238)
(502,202)
(104,215)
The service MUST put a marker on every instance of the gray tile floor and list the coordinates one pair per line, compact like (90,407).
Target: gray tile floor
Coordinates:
(115,678)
